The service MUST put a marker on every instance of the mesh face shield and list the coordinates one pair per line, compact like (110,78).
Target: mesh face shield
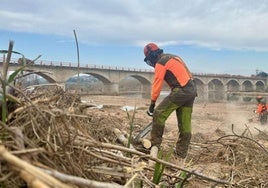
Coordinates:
(152,57)
(148,62)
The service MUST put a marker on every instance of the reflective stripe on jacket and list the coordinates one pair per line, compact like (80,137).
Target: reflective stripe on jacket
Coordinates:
(172,69)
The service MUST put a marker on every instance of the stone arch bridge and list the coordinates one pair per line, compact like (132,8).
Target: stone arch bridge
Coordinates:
(216,86)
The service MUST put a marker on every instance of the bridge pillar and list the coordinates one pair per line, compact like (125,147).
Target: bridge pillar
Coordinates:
(206,93)
(225,96)
(254,87)
(266,85)
(146,91)
(240,88)
(111,89)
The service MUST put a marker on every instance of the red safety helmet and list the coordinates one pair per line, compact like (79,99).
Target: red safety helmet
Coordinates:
(259,98)
(150,48)
(151,52)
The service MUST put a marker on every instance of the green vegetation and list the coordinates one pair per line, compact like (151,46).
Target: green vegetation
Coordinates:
(262,74)
(8,82)
(159,167)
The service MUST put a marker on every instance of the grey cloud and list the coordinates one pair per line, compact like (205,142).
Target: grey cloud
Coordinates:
(238,24)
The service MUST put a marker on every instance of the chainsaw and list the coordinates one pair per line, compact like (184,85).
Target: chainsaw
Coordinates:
(143,132)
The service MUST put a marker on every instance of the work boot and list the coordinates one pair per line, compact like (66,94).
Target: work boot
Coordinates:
(182,144)
(156,135)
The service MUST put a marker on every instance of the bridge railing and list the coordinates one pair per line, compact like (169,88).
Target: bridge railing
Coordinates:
(225,75)
(93,66)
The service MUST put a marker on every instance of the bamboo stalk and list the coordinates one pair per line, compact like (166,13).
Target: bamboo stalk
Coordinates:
(24,166)
(153,153)
(28,178)
(171,165)
(4,82)
(32,181)
(81,181)
(121,137)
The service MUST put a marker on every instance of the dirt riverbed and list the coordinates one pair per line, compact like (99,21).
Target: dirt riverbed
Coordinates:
(206,117)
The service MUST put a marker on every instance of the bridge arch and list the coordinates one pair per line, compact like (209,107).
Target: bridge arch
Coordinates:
(139,85)
(260,86)
(143,80)
(46,76)
(247,86)
(102,78)
(216,89)
(105,86)
(233,85)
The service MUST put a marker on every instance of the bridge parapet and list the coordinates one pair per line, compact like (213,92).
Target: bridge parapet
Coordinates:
(111,76)
(82,66)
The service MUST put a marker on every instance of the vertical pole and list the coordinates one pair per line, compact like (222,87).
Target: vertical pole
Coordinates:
(78,61)
(4,81)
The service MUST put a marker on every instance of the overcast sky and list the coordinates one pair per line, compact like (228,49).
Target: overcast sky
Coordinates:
(227,36)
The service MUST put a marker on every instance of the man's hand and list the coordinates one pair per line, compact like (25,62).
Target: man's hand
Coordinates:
(150,111)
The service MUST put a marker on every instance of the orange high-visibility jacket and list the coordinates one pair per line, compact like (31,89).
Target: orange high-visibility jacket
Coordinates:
(172,69)
(261,108)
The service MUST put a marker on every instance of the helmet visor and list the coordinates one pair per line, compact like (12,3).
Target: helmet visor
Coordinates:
(148,62)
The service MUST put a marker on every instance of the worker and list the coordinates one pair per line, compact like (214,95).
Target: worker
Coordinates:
(171,69)
(261,110)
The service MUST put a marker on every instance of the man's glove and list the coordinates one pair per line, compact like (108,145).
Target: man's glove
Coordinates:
(150,111)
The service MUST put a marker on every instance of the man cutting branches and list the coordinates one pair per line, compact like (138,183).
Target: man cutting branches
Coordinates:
(171,69)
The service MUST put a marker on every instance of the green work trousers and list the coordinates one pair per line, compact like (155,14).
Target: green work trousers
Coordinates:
(181,100)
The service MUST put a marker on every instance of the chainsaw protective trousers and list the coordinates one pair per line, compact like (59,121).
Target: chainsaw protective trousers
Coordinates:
(180,100)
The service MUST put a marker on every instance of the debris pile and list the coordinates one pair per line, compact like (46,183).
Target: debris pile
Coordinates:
(52,139)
